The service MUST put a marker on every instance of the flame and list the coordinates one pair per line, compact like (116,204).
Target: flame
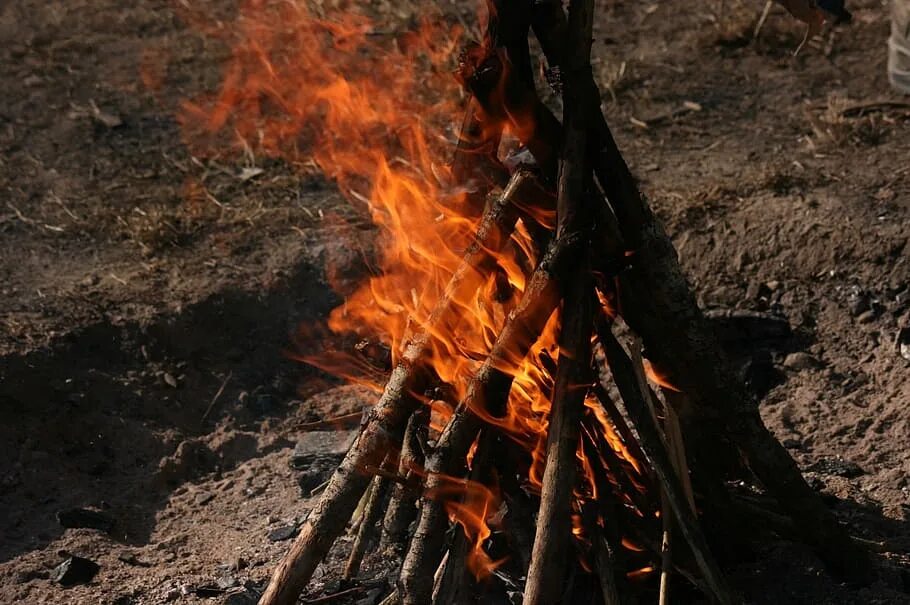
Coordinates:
(609,432)
(471,505)
(630,545)
(658,378)
(640,574)
(378,114)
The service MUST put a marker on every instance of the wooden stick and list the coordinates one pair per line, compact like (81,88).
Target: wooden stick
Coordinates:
(657,303)
(385,424)
(403,506)
(369,524)
(214,400)
(605,541)
(606,573)
(487,394)
(549,557)
(652,443)
(456,584)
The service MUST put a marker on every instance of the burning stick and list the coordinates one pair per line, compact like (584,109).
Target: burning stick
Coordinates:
(655,448)
(545,576)
(384,427)
(369,524)
(658,304)
(402,508)
(488,392)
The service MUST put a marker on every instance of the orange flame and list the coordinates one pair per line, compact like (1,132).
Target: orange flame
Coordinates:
(378,114)
(471,505)
(658,378)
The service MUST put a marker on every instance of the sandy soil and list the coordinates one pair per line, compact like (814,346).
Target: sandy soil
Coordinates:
(141,286)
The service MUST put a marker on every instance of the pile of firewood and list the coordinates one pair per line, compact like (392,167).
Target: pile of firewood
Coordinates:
(649,426)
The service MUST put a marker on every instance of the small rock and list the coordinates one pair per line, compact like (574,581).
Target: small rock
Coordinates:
(226,582)
(837,467)
(247,596)
(800,361)
(312,479)
(131,559)
(204,498)
(867,316)
(170,380)
(285,532)
(171,595)
(859,304)
(85,518)
(208,590)
(192,457)
(324,447)
(372,596)
(75,570)
(902,343)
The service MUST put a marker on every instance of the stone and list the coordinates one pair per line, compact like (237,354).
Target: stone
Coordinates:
(74,570)
(285,532)
(322,448)
(84,518)
(130,558)
(247,596)
(800,361)
(902,343)
(372,596)
(837,467)
(208,590)
(226,582)
(859,303)
(312,479)
(867,316)
(204,498)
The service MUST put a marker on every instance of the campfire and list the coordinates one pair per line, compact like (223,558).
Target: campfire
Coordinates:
(558,422)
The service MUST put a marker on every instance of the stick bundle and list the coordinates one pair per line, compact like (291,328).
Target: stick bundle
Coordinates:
(602,472)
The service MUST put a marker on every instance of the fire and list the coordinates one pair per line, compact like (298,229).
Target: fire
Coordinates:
(658,378)
(378,114)
(471,505)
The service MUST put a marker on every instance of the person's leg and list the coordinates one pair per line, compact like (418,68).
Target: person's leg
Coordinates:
(899,46)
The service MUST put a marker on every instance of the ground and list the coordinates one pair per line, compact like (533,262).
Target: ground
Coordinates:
(144,318)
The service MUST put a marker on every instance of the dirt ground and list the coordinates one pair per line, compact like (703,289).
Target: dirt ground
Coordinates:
(141,287)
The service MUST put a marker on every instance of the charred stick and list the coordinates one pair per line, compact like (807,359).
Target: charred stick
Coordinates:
(369,526)
(677,454)
(619,423)
(606,532)
(548,560)
(457,585)
(403,505)
(658,304)
(606,571)
(385,424)
(486,398)
(654,446)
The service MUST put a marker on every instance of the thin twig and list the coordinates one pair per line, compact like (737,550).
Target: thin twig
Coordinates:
(328,422)
(761,20)
(335,596)
(214,400)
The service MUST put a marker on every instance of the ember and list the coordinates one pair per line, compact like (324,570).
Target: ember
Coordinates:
(507,289)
